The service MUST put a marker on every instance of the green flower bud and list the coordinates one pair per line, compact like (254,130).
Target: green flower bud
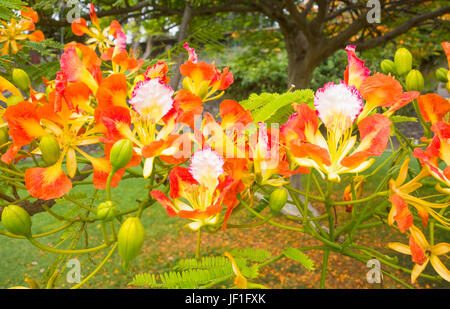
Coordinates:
(4,136)
(121,153)
(388,66)
(13,100)
(278,199)
(441,75)
(16,220)
(107,211)
(403,61)
(21,79)
(130,239)
(414,81)
(49,149)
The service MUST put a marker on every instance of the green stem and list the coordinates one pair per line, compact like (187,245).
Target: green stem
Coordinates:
(323,274)
(64,251)
(97,268)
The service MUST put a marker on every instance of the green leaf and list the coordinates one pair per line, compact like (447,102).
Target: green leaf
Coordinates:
(298,256)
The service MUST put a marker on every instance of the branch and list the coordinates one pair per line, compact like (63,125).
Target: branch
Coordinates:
(403,28)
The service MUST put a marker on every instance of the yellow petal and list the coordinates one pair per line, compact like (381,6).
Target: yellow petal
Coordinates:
(399,247)
(440,268)
(419,237)
(417,270)
(71,163)
(403,173)
(440,249)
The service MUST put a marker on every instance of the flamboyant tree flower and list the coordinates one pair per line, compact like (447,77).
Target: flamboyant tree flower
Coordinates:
(152,134)
(122,61)
(101,38)
(401,197)
(422,252)
(356,71)
(196,193)
(438,150)
(13,31)
(204,79)
(337,106)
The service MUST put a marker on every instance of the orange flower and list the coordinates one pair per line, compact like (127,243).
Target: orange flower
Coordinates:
(433,107)
(98,37)
(198,191)
(14,31)
(400,197)
(422,252)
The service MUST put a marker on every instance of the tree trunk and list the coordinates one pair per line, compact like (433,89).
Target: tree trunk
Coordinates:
(182,35)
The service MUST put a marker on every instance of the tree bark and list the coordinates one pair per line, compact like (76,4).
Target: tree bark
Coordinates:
(182,35)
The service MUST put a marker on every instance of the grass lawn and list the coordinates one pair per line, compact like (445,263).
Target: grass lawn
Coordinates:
(167,241)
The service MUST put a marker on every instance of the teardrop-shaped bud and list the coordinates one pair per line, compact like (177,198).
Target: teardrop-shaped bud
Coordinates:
(388,66)
(16,220)
(21,79)
(278,199)
(403,61)
(121,154)
(441,75)
(414,81)
(130,239)
(49,149)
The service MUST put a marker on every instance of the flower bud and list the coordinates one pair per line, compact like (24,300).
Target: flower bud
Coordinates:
(388,66)
(121,153)
(16,220)
(21,79)
(49,149)
(403,61)
(13,100)
(414,81)
(4,136)
(278,199)
(441,75)
(107,211)
(130,239)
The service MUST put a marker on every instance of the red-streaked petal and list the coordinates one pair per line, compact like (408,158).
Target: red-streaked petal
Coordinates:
(112,91)
(355,72)
(374,134)
(300,149)
(160,70)
(165,202)
(47,183)
(180,179)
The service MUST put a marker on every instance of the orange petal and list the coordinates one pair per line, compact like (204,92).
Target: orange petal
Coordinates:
(28,12)
(112,91)
(402,216)
(79,26)
(233,114)
(380,90)
(47,183)
(102,168)
(417,253)
(199,71)
(36,36)
(433,107)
